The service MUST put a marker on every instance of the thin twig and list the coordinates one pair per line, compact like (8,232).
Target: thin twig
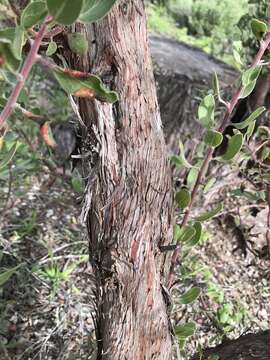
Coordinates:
(23,75)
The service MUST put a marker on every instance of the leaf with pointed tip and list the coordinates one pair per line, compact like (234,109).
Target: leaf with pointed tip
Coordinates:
(33,14)
(73,85)
(51,49)
(250,119)
(234,146)
(210,214)
(190,296)
(65,12)
(94,10)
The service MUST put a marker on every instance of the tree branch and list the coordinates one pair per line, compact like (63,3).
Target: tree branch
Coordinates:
(22,76)
(209,154)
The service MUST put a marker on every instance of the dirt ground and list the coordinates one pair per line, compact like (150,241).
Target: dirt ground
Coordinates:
(47,307)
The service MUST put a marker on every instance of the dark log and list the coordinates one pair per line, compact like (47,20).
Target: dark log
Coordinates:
(184,74)
(247,347)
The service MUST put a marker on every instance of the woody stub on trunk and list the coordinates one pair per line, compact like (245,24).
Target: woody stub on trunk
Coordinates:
(128,200)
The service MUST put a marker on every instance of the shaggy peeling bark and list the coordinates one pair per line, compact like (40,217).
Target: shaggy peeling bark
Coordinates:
(128,199)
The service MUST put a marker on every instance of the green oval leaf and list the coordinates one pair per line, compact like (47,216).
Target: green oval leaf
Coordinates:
(206,111)
(192,176)
(213,138)
(176,232)
(249,78)
(51,49)
(237,53)
(18,42)
(78,43)
(250,119)
(7,35)
(247,90)
(33,14)
(250,130)
(65,12)
(186,330)
(190,296)
(185,233)
(259,28)
(210,214)
(251,74)
(197,236)
(183,198)
(94,10)
(234,146)
(11,63)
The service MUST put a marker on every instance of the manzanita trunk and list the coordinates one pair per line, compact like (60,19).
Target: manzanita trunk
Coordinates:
(128,200)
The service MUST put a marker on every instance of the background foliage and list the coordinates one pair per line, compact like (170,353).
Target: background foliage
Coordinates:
(209,24)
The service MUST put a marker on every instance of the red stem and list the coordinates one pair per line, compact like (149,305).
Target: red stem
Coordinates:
(22,76)
(209,154)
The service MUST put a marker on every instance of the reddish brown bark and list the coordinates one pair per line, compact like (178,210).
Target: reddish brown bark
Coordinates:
(128,201)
